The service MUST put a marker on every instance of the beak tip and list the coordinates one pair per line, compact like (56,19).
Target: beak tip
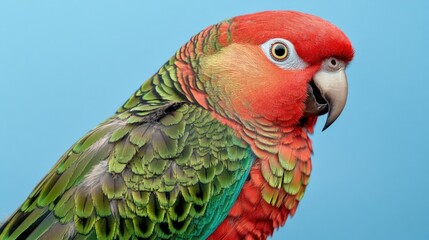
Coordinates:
(327,125)
(332,117)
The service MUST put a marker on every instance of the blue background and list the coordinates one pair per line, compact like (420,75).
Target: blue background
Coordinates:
(65,67)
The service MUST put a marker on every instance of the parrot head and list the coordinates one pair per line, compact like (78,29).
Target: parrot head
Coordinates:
(284,67)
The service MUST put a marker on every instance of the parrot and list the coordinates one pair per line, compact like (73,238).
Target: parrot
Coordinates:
(215,145)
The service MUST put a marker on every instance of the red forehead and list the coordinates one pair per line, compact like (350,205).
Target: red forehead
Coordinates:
(314,38)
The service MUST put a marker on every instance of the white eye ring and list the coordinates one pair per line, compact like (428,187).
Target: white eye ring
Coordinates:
(289,60)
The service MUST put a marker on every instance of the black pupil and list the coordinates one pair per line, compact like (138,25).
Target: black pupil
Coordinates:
(279,50)
(333,62)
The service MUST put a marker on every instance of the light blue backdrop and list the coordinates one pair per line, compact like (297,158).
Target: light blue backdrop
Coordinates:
(65,67)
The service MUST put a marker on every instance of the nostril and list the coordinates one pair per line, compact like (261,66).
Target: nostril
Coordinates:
(333,64)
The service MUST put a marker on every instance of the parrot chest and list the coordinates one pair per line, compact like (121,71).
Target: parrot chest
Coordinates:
(283,158)
(283,166)
(276,183)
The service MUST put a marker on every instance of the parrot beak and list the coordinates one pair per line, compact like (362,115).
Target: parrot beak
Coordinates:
(327,92)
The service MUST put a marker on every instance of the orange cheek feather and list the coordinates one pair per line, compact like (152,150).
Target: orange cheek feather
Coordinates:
(279,96)
(255,87)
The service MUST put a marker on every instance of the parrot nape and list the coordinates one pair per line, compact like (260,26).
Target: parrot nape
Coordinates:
(215,145)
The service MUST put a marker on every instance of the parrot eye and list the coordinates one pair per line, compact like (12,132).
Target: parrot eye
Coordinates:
(282,53)
(279,51)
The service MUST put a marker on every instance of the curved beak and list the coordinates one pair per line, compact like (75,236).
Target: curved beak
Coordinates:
(327,91)
(333,87)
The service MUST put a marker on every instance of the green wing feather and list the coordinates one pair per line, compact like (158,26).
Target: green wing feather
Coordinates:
(156,171)
(162,167)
